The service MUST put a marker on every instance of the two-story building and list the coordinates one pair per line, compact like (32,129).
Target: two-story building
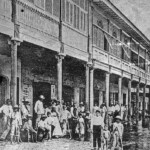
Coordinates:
(72,50)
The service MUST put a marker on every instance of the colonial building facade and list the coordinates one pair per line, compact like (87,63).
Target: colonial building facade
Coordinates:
(72,50)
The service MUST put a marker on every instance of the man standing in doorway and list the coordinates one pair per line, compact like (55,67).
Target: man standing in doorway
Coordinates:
(39,109)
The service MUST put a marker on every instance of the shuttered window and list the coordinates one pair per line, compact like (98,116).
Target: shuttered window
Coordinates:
(40,3)
(48,6)
(71,13)
(63,12)
(67,11)
(75,16)
(56,8)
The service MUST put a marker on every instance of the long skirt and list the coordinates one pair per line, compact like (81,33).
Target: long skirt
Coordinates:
(57,130)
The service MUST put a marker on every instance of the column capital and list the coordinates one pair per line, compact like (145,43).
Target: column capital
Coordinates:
(14,40)
(90,64)
(60,56)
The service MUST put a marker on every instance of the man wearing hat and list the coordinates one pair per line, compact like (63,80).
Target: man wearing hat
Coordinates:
(97,126)
(117,132)
(6,110)
(39,108)
(16,124)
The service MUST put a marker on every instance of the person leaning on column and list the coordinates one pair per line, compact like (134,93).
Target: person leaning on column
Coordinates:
(7,111)
(97,125)
(39,109)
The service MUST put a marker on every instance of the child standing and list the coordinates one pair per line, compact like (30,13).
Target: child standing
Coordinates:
(117,132)
(49,125)
(16,124)
(106,137)
(81,127)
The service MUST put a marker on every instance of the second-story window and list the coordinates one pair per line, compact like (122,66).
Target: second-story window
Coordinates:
(142,63)
(40,3)
(75,13)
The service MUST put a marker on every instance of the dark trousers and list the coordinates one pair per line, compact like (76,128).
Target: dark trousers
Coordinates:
(96,136)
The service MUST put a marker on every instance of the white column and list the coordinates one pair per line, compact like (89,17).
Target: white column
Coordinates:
(13,82)
(129,100)
(91,89)
(59,76)
(107,88)
(87,86)
(120,90)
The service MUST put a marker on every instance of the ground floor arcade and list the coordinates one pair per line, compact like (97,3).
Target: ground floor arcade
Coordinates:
(28,70)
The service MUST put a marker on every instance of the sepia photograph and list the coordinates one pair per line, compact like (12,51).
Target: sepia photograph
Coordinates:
(74,74)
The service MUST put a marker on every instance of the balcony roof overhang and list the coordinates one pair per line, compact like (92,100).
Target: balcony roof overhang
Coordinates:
(123,22)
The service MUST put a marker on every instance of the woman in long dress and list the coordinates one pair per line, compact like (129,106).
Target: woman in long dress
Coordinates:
(57,130)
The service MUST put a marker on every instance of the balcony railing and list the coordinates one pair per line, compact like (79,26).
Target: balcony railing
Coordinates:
(109,59)
(31,17)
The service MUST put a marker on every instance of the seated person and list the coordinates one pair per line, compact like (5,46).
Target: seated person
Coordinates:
(49,125)
(42,131)
(28,126)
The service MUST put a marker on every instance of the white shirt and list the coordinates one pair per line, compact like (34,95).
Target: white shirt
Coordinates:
(49,121)
(42,124)
(7,110)
(65,114)
(117,107)
(16,118)
(97,121)
(39,109)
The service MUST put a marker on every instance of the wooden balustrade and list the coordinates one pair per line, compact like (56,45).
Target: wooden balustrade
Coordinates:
(5,9)
(100,55)
(36,19)
(116,62)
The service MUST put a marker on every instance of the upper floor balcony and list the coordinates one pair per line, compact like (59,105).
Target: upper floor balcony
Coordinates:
(113,52)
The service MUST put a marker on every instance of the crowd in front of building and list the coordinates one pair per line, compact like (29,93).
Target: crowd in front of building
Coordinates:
(58,120)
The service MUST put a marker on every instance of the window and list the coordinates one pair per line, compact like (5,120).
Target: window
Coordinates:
(67,11)
(63,10)
(40,3)
(142,63)
(48,6)
(75,16)
(106,44)
(56,8)
(32,1)
(71,13)
(78,11)
(134,58)
(82,4)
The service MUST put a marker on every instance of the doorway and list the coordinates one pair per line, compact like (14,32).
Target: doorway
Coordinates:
(67,94)
(41,88)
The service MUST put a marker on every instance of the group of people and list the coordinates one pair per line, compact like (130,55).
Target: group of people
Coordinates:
(62,120)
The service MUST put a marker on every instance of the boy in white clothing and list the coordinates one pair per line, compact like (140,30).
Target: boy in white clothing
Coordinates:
(117,132)
(16,124)
(106,137)
(49,125)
